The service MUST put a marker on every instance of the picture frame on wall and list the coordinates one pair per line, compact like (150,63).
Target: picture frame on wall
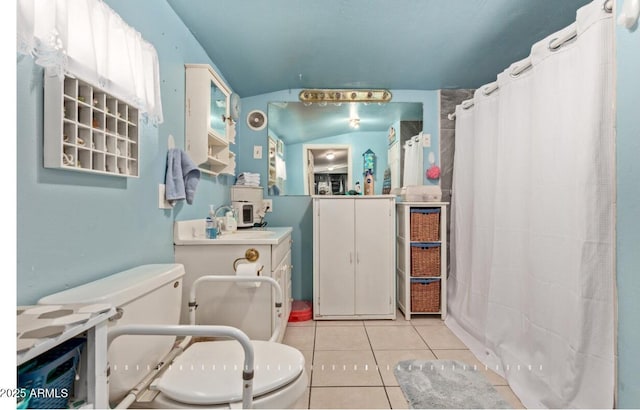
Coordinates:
(280,147)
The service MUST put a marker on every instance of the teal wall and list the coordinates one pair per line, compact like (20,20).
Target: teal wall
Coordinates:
(74,227)
(628,211)
(295,211)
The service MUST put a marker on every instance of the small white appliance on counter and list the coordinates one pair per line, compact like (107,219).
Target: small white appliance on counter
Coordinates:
(244,213)
(248,203)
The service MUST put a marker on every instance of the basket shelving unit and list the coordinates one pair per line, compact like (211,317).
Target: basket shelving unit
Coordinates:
(421,263)
(87,129)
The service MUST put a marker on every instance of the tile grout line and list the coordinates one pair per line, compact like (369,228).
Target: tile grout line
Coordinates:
(375,359)
(313,358)
(425,342)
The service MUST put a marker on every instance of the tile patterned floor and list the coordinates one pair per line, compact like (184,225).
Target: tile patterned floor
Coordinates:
(350,363)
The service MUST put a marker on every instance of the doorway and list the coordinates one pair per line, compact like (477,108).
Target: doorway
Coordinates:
(327,170)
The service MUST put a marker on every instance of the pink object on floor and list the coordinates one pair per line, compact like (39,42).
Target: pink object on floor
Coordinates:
(301,311)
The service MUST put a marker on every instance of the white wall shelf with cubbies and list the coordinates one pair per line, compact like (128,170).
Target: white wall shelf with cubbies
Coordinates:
(89,130)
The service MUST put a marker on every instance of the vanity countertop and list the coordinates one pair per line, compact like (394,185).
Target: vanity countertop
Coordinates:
(352,196)
(192,232)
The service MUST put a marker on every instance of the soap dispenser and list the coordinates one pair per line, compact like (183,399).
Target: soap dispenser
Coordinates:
(230,222)
(211,225)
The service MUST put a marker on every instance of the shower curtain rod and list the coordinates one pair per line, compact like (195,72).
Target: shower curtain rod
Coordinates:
(554,45)
(522,68)
(490,88)
(465,106)
(558,42)
(410,141)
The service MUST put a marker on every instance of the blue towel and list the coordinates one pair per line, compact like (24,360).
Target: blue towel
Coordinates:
(181,178)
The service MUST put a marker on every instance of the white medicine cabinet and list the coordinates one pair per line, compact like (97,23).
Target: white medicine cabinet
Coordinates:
(87,129)
(208,126)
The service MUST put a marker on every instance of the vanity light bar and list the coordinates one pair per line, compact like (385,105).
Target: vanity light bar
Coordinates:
(325,95)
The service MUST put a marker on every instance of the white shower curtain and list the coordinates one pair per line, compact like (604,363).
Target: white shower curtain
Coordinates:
(413,159)
(531,286)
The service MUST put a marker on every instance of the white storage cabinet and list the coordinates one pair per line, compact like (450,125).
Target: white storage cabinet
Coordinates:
(208,127)
(353,257)
(405,273)
(87,129)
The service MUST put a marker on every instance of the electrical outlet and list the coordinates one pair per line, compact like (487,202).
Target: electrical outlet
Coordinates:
(268,203)
(257,152)
(162,202)
(426,140)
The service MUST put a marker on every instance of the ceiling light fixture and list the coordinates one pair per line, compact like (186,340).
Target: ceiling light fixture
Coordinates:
(330,156)
(324,95)
(354,122)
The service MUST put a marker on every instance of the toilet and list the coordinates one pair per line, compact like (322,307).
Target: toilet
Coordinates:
(207,374)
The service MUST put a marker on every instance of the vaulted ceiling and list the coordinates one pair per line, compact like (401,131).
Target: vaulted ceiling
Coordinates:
(265,46)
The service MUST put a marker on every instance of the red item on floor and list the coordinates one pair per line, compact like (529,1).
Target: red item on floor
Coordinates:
(301,311)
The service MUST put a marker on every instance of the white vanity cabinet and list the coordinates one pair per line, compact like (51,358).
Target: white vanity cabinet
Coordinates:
(353,257)
(250,309)
(208,126)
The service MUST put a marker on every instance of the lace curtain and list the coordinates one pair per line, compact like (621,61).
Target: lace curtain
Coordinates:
(88,39)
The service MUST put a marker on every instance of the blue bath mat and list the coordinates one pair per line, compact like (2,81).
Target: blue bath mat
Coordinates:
(446,384)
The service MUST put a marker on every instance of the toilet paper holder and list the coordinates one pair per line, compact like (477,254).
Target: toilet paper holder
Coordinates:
(250,255)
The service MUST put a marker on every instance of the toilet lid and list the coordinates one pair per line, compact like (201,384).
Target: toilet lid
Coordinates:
(211,372)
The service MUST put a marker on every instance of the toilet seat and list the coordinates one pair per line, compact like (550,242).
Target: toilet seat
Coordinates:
(210,373)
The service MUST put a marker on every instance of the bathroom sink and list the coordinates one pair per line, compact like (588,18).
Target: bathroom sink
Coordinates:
(192,232)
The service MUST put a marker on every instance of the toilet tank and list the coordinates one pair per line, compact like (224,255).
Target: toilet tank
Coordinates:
(147,294)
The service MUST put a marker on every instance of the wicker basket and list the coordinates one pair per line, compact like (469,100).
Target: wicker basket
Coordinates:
(425,259)
(425,295)
(425,225)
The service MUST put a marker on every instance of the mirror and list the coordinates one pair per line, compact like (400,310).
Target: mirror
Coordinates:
(218,109)
(302,138)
